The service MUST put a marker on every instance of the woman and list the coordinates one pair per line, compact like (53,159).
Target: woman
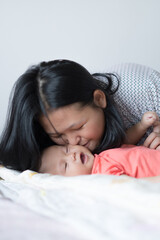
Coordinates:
(61,102)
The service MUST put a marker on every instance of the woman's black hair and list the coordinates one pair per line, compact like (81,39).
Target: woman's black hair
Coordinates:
(44,87)
(23,137)
(114,133)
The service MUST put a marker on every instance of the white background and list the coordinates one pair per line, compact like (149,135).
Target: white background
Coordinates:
(95,33)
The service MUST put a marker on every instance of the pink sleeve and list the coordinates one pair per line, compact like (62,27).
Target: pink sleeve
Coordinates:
(106,166)
(134,161)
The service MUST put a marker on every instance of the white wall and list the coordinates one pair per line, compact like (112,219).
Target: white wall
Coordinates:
(95,33)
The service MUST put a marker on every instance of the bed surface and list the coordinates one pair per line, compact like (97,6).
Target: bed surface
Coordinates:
(83,207)
(18,222)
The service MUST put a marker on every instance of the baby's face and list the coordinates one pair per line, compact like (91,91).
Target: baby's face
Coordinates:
(67,160)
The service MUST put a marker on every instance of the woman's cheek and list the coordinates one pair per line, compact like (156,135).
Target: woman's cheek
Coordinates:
(58,141)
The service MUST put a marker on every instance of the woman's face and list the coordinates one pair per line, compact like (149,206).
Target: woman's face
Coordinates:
(76,125)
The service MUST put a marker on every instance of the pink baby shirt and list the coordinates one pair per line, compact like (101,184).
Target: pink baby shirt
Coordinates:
(134,161)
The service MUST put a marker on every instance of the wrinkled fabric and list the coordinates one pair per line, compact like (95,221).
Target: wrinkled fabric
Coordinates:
(96,206)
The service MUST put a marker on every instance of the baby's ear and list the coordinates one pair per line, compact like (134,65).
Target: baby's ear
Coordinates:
(99,98)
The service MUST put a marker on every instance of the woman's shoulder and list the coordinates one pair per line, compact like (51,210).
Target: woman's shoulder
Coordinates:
(135,79)
(138,91)
(130,70)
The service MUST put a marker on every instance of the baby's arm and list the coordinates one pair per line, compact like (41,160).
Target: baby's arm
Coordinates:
(136,132)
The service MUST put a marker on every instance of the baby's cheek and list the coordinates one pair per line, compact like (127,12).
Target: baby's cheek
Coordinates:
(79,170)
(85,170)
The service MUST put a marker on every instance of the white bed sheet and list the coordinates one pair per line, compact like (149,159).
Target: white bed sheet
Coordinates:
(20,223)
(96,207)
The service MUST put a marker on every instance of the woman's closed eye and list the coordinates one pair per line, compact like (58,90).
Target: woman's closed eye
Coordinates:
(58,139)
(55,136)
(79,127)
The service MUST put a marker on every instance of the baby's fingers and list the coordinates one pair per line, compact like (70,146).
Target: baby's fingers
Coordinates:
(158,148)
(156,127)
(153,141)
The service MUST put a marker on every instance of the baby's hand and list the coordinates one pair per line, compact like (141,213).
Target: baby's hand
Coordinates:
(149,119)
(153,140)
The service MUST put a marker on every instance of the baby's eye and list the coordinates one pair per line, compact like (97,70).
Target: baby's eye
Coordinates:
(65,166)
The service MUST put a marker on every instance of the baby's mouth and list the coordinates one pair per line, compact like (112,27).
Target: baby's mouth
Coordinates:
(83,158)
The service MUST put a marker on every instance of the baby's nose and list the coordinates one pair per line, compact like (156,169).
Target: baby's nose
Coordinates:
(71,156)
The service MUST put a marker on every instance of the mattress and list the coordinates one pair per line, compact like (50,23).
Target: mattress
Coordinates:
(82,207)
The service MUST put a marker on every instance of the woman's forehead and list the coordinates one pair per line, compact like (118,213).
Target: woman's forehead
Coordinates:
(62,118)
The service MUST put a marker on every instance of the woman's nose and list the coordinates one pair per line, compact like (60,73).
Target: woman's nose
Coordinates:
(73,140)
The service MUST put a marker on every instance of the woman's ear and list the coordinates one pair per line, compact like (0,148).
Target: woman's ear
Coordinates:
(99,98)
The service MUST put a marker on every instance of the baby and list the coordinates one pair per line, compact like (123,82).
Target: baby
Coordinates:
(131,160)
